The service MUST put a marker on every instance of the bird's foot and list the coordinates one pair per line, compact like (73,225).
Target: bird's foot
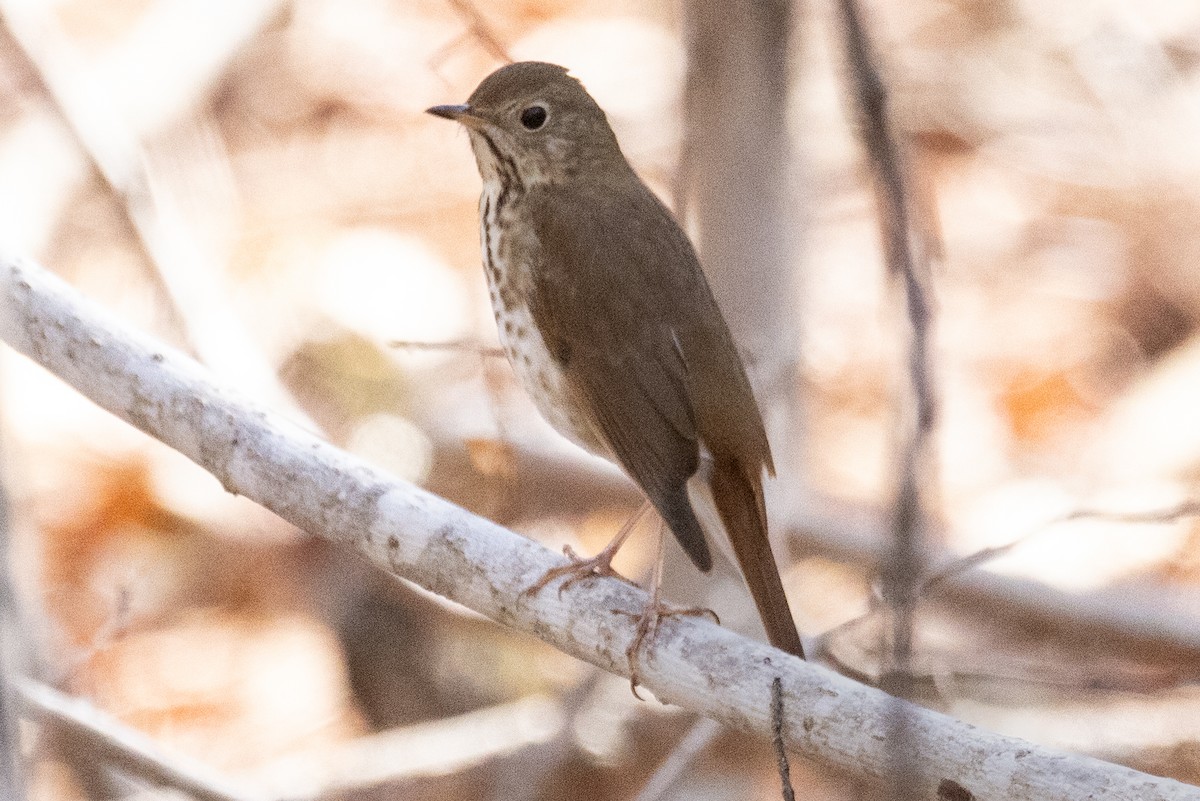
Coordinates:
(578,569)
(599,565)
(647,626)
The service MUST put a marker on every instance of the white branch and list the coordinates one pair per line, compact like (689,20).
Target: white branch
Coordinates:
(416,535)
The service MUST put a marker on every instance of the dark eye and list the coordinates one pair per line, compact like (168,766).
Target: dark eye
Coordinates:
(533,117)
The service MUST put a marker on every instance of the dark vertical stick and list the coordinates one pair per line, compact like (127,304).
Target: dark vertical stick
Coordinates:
(781,757)
(903,566)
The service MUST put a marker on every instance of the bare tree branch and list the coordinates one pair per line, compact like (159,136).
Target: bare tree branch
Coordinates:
(104,739)
(418,536)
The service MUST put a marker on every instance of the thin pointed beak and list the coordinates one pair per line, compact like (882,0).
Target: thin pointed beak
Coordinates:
(456,113)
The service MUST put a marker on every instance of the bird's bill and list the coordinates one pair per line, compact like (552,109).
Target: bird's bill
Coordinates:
(460,113)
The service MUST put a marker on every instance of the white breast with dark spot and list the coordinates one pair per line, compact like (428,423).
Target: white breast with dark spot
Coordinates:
(535,367)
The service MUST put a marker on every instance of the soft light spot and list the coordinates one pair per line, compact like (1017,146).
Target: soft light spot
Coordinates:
(390,286)
(395,444)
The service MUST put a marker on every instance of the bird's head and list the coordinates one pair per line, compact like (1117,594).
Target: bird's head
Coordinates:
(535,120)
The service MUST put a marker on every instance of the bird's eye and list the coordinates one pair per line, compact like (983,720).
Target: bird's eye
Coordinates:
(533,117)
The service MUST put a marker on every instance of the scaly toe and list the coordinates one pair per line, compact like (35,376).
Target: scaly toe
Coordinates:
(663,610)
(647,626)
(577,570)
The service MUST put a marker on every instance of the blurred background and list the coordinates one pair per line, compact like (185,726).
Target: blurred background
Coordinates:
(255,182)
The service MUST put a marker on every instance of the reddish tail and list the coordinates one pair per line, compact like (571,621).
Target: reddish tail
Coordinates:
(739,501)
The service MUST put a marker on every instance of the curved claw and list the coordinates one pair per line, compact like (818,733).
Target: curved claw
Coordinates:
(647,625)
(576,570)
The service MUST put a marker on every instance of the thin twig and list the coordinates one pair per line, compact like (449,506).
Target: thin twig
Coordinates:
(1171,514)
(480,30)
(26,35)
(777,739)
(457,346)
(903,566)
(1141,622)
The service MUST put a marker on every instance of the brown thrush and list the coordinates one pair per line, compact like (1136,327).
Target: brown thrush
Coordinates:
(608,321)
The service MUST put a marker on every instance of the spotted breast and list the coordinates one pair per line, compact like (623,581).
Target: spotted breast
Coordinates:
(510,255)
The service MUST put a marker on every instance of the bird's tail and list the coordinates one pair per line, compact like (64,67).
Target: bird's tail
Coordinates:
(739,501)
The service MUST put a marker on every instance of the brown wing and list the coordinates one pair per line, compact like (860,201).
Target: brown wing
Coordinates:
(602,300)
(619,268)
(621,295)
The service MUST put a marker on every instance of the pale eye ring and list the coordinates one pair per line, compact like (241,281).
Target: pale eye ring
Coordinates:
(534,117)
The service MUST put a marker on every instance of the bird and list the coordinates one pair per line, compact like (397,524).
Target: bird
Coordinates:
(609,323)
